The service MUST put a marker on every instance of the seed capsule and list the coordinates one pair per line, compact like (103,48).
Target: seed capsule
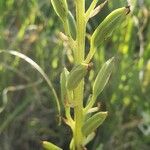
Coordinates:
(105,29)
(76,75)
(72,25)
(50,146)
(103,76)
(98,9)
(66,96)
(63,81)
(89,138)
(61,8)
(93,123)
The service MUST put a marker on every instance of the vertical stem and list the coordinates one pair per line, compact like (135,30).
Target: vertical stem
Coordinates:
(80,16)
(79,57)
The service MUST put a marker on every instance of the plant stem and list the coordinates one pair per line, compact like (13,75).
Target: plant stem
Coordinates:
(90,9)
(79,57)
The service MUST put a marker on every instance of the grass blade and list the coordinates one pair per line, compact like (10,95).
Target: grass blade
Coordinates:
(39,69)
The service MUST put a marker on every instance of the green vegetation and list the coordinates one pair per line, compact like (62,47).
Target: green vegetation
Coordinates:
(38,55)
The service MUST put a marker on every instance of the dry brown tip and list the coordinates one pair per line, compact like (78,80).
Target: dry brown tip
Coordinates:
(90,65)
(127,9)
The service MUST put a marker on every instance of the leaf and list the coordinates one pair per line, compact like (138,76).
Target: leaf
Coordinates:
(39,69)
(50,146)
(76,75)
(102,77)
(72,25)
(89,138)
(61,8)
(66,95)
(106,28)
(98,9)
(93,123)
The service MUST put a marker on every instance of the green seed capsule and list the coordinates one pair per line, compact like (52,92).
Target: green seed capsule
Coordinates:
(66,96)
(76,75)
(105,29)
(50,146)
(72,25)
(63,81)
(103,76)
(93,123)
(89,138)
(61,8)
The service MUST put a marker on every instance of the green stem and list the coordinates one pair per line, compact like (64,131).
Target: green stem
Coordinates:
(90,9)
(90,104)
(90,55)
(79,57)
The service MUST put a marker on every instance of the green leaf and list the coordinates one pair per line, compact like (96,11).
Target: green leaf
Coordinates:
(63,81)
(90,9)
(93,123)
(50,146)
(72,25)
(89,138)
(76,75)
(66,95)
(61,8)
(98,9)
(38,68)
(102,77)
(106,28)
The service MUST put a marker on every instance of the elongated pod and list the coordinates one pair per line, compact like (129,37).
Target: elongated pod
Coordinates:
(76,75)
(66,95)
(61,8)
(102,77)
(72,25)
(89,138)
(63,81)
(93,123)
(105,29)
(50,146)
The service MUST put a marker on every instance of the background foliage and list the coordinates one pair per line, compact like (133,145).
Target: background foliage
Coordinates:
(32,28)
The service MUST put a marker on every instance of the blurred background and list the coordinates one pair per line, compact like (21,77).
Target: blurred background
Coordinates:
(27,111)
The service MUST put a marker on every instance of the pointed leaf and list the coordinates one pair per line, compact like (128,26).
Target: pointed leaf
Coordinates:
(72,25)
(38,68)
(61,8)
(102,77)
(93,123)
(50,146)
(76,75)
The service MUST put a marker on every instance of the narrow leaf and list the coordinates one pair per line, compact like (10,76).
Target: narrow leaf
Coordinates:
(39,69)
(93,123)
(89,138)
(63,81)
(90,9)
(50,146)
(106,28)
(76,75)
(98,9)
(102,77)
(72,25)
(61,8)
